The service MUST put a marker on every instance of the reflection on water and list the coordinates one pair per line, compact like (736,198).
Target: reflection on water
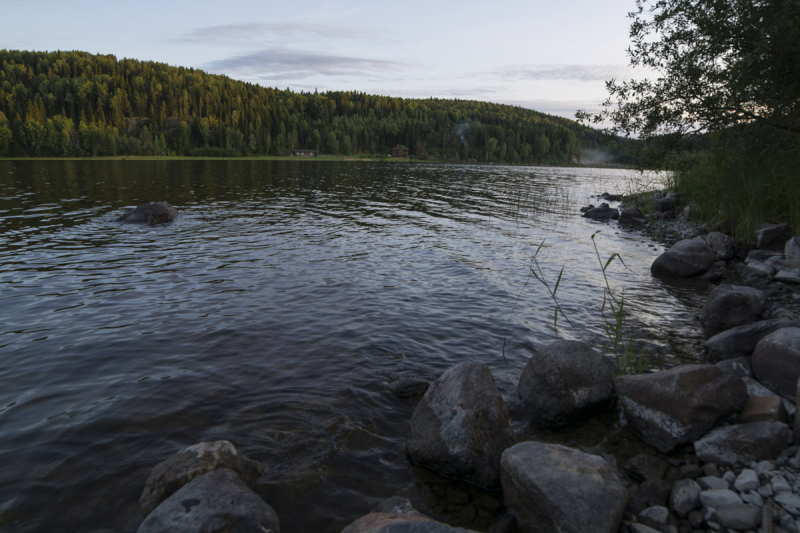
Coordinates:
(274,313)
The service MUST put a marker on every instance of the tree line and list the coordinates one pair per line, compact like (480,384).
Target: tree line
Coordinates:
(78,104)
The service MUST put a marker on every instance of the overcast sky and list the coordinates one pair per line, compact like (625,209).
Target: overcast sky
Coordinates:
(541,54)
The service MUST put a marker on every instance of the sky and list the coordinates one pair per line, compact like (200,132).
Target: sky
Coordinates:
(545,55)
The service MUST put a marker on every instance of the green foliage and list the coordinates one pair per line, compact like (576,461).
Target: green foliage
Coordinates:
(718,64)
(99,105)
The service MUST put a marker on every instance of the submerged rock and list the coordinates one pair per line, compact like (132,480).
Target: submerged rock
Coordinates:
(215,501)
(776,361)
(152,213)
(685,259)
(550,487)
(743,443)
(678,406)
(602,212)
(170,475)
(729,306)
(564,382)
(396,515)
(461,426)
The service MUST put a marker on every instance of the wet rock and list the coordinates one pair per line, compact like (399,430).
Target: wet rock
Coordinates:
(631,215)
(740,517)
(215,501)
(398,516)
(461,426)
(776,361)
(679,405)
(723,245)
(792,248)
(408,388)
(555,488)
(729,306)
(741,341)
(719,498)
(152,213)
(565,381)
(602,212)
(743,443)
(760,408)
(685,259)
(740,367)
(172,474)
(645,466)
(685,497)
(773,236)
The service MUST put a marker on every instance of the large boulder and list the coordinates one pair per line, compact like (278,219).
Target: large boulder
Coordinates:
(172,474)
(741,341)
(729,306)
(461,426)
(550,487)
(396,515)
(724,246)
(152,213)
(216,501)
(678,406)
(776,361)
(685,259)
(773,236)
(565,381)
(602,212)
(743,443)
(792,248)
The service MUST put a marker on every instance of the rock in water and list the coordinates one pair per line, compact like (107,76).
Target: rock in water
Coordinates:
(565,381)
(743,443)
(685,259)
(729,306)
(461,426)
(396,515)
(678,406)
(555,488)
(741,341)
(776,361)
(216,501)
(603,212)
(170,475)
(152,213)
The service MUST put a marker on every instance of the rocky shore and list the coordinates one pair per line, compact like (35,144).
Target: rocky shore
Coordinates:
(724,451)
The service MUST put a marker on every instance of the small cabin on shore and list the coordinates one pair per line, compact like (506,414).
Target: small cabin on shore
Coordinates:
(401,151)
(305,153)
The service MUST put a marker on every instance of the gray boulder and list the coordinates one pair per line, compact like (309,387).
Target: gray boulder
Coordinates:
(743,443)
(461,426)
(723,245)
(216,501)
(550,487)
(602,212)
(396,515)
(729,306)
(565,381)
(152,213)
(678,406)
(170,475)
(741,341)
(685,259)
(792,248)
(776,361)
(773,236)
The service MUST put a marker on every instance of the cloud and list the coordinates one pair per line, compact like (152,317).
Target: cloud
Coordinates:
(285,64)
(261,32)
(562,72)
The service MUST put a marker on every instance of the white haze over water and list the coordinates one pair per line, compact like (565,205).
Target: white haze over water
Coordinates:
(552,57)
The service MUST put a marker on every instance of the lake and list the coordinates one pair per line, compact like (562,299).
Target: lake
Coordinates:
(276,312)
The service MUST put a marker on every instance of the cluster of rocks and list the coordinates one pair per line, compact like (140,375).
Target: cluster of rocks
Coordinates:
(638,208)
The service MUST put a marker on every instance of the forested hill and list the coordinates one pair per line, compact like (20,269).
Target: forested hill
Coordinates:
(79,104)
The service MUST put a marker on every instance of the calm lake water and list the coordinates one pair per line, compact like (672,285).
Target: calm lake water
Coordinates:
(275,313)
